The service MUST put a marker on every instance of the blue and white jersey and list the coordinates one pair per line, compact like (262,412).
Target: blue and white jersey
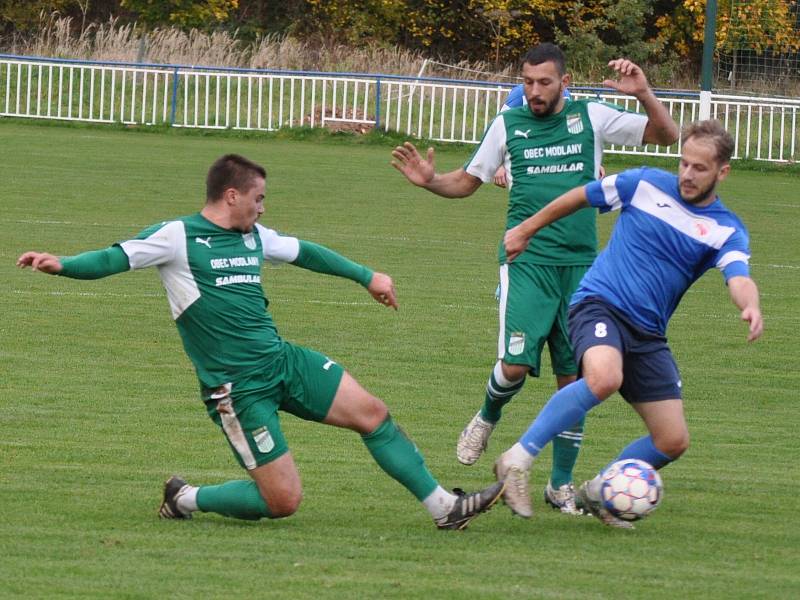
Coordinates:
(659,247)
(516,97)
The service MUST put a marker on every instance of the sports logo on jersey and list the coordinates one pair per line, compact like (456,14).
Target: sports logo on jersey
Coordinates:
(249,241)
(521,133)
(516,343)
(574,123)
(701,228)
(206,242)
(263,439)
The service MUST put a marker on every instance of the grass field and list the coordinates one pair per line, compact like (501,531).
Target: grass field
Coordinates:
(99,404)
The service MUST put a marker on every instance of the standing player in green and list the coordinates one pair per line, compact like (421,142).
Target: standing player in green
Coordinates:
(547,146)
(210,264)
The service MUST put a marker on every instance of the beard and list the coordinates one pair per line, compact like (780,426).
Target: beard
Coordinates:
(700,195)
(548,108)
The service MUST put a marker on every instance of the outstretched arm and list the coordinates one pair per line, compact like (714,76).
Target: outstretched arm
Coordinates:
(320,259)
(660,129)
(517,238)
(744,294)
(422,173)
(88,265)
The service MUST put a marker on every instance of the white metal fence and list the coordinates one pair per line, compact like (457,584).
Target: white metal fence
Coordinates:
(437,109)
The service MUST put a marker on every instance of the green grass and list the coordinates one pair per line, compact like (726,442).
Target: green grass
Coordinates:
(99,404)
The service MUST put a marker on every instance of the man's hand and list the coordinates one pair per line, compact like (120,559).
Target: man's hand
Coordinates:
(515,242)
(500,177)
(631,79)
(40,261)
(752,315)
(410,163)
(382,289)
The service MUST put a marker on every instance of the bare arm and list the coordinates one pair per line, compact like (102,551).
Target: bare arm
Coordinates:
(421,172)
(744,294)
(660,129)
(517,238)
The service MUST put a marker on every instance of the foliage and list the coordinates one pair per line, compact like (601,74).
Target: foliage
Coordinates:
(183,13)
(26,16)
(601,30)
(659,33)
(758,25)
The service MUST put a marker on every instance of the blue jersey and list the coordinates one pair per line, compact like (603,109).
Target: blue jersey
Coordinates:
(516,97)
(659,247)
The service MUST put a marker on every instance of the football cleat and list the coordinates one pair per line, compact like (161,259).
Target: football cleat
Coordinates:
(595,508)
(469,506)
(473,440)
(516,495)
(562,498)
(173,488)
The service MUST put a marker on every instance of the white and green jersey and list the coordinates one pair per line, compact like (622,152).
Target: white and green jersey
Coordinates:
(547,156)
(213,281)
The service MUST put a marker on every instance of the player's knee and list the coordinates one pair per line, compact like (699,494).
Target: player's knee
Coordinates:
(673,444)
(372,414)
(284,504)
(514,373)
(603,383)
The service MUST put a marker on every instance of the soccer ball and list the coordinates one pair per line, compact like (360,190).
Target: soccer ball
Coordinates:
(631,489)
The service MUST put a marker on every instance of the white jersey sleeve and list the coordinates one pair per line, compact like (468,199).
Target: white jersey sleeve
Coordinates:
(278,248)
(616,126)
(155,246)
(491,152)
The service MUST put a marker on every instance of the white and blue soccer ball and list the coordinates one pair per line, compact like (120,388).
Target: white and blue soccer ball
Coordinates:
(631,489)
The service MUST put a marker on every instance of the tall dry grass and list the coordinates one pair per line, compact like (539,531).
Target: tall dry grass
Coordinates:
(59,37)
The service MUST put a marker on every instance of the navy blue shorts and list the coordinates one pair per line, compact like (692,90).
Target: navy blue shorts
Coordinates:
(649,371)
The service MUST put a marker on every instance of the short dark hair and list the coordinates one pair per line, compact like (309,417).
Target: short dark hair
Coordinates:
(712,130)
(546,52)
(231,171)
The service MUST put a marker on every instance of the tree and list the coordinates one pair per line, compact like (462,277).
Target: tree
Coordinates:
(186,14)
(757,25)
(598,31)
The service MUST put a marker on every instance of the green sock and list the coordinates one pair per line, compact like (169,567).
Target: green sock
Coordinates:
(399,457)
(238,499)
(566,446)
(499,392)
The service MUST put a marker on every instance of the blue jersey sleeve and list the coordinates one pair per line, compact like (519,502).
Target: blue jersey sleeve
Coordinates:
(733,258)
(615,191)
(515,98)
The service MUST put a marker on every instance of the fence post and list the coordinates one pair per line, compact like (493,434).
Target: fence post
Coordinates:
(378,104)
(709,41)
(174,106)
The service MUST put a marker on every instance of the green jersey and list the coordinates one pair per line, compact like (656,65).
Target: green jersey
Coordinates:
(213,281)
(547,156)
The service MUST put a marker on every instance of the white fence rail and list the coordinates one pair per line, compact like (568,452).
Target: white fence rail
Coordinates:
(437,109)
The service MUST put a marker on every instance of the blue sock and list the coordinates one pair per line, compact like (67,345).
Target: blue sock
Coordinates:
(644,449)
(565,408)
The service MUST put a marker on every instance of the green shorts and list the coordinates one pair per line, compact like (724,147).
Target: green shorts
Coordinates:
(300,381)
(534,302)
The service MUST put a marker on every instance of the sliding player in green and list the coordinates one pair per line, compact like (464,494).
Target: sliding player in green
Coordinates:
(547,146)
(210,264)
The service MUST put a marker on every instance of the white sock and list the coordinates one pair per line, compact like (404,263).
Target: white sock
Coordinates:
(439,503)
(520,457)
(187,500)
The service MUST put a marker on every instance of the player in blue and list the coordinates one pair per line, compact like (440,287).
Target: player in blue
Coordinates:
(671,230)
